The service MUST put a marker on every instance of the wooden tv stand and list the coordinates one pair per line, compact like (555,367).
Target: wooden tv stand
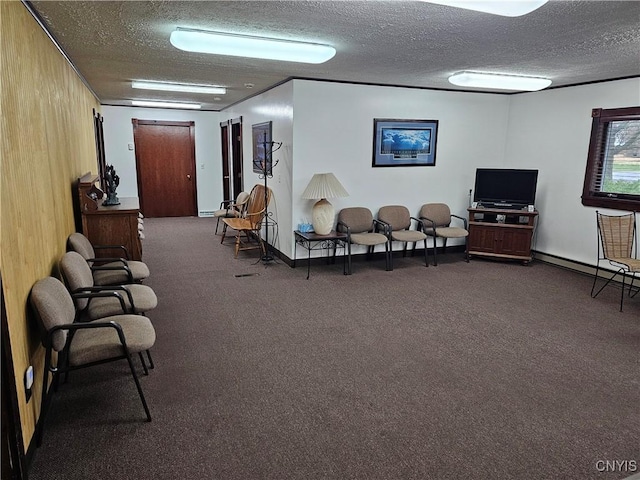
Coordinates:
(501,233)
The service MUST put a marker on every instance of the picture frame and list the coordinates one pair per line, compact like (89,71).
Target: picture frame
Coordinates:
(261,141)
(404,143)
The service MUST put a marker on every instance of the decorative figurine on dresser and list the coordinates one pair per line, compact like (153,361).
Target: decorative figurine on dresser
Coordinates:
(105,223)
(111,180)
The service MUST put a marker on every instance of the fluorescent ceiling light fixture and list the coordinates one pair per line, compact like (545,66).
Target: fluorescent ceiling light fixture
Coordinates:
(500,81)
(252,47)
(506,8)
(145,103)
(178,87)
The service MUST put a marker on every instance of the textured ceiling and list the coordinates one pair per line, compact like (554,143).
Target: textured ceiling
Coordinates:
(405,43)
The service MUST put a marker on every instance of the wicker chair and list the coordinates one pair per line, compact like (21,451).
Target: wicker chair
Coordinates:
(617,244)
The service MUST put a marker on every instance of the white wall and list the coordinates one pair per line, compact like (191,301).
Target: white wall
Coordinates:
(275,105)
(333,132)
(118,135)
(549,130)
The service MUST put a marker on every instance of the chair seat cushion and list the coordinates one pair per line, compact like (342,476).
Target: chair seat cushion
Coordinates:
(368,238)
(227,212)
(139,270)
(449,232)
(408,236)
(144,299)
(94,344)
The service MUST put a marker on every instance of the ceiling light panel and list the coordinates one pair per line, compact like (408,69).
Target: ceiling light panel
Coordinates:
(499,81)
(178,87)
(145,103)
(506,8)
(250,47)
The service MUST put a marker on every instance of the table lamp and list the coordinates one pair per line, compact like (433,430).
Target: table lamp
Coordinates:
(323,186)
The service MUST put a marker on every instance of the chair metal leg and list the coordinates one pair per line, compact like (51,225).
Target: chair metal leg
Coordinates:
(43,400)
(151,364)
(217,223)
(140,393)
(426,257)
(144,365)
(435,247)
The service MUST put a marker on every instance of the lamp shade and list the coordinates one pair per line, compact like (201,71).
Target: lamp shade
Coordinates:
(323,186)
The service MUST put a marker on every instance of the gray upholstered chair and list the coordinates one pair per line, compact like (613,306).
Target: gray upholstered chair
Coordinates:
(398,221)
(362,229)
(436,220)
(84,344)
(231,208)
(102,301)
(107,271)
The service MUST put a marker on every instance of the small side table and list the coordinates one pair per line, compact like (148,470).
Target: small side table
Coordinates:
(313,241)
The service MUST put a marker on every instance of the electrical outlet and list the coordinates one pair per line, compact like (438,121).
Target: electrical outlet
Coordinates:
(28,381)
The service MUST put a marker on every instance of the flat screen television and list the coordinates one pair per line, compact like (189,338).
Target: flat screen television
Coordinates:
(505,187)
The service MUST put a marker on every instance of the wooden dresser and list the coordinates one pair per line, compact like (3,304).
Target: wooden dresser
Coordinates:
(110,225)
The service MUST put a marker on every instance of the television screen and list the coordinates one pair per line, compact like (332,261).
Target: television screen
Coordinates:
(503,187)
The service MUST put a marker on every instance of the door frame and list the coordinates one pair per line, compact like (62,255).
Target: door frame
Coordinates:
(232,160)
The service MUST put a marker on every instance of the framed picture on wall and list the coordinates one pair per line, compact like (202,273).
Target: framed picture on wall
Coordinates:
(261,141)
(404,143)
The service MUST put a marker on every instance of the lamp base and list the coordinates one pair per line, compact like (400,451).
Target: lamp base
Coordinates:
(322,217)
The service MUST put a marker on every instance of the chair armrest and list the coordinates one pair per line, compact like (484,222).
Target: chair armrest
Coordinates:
(119,247)
(121,260)
(386,227)
(420,224)
(346,227)
(464,220)
(72,327)
(428,223)
(114,291)
(225,202)
(125,268)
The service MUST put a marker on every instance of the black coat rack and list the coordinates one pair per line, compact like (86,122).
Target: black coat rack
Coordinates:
(266,172)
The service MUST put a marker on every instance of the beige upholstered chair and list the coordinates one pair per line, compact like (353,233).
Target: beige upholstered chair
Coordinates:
(102,301)
(231,208)
(362,229)
(436,220)
(618,245)
(84,344)
(398,221)
(250,225)
(107,271)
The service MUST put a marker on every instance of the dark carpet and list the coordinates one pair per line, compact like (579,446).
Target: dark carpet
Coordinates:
(481,370)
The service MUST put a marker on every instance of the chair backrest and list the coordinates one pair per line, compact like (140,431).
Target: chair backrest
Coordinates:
(241,201)
(257,203)
(438,212)
(54,306)
(77,274)
(77,242)
(397,216)
(359,219)
(617,234)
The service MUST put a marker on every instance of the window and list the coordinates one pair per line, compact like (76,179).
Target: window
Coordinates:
(612,179)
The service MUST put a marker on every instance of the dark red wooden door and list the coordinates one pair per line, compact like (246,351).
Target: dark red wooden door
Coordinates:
(165,164)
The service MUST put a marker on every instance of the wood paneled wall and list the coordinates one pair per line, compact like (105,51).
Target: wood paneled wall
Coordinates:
(47,143)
